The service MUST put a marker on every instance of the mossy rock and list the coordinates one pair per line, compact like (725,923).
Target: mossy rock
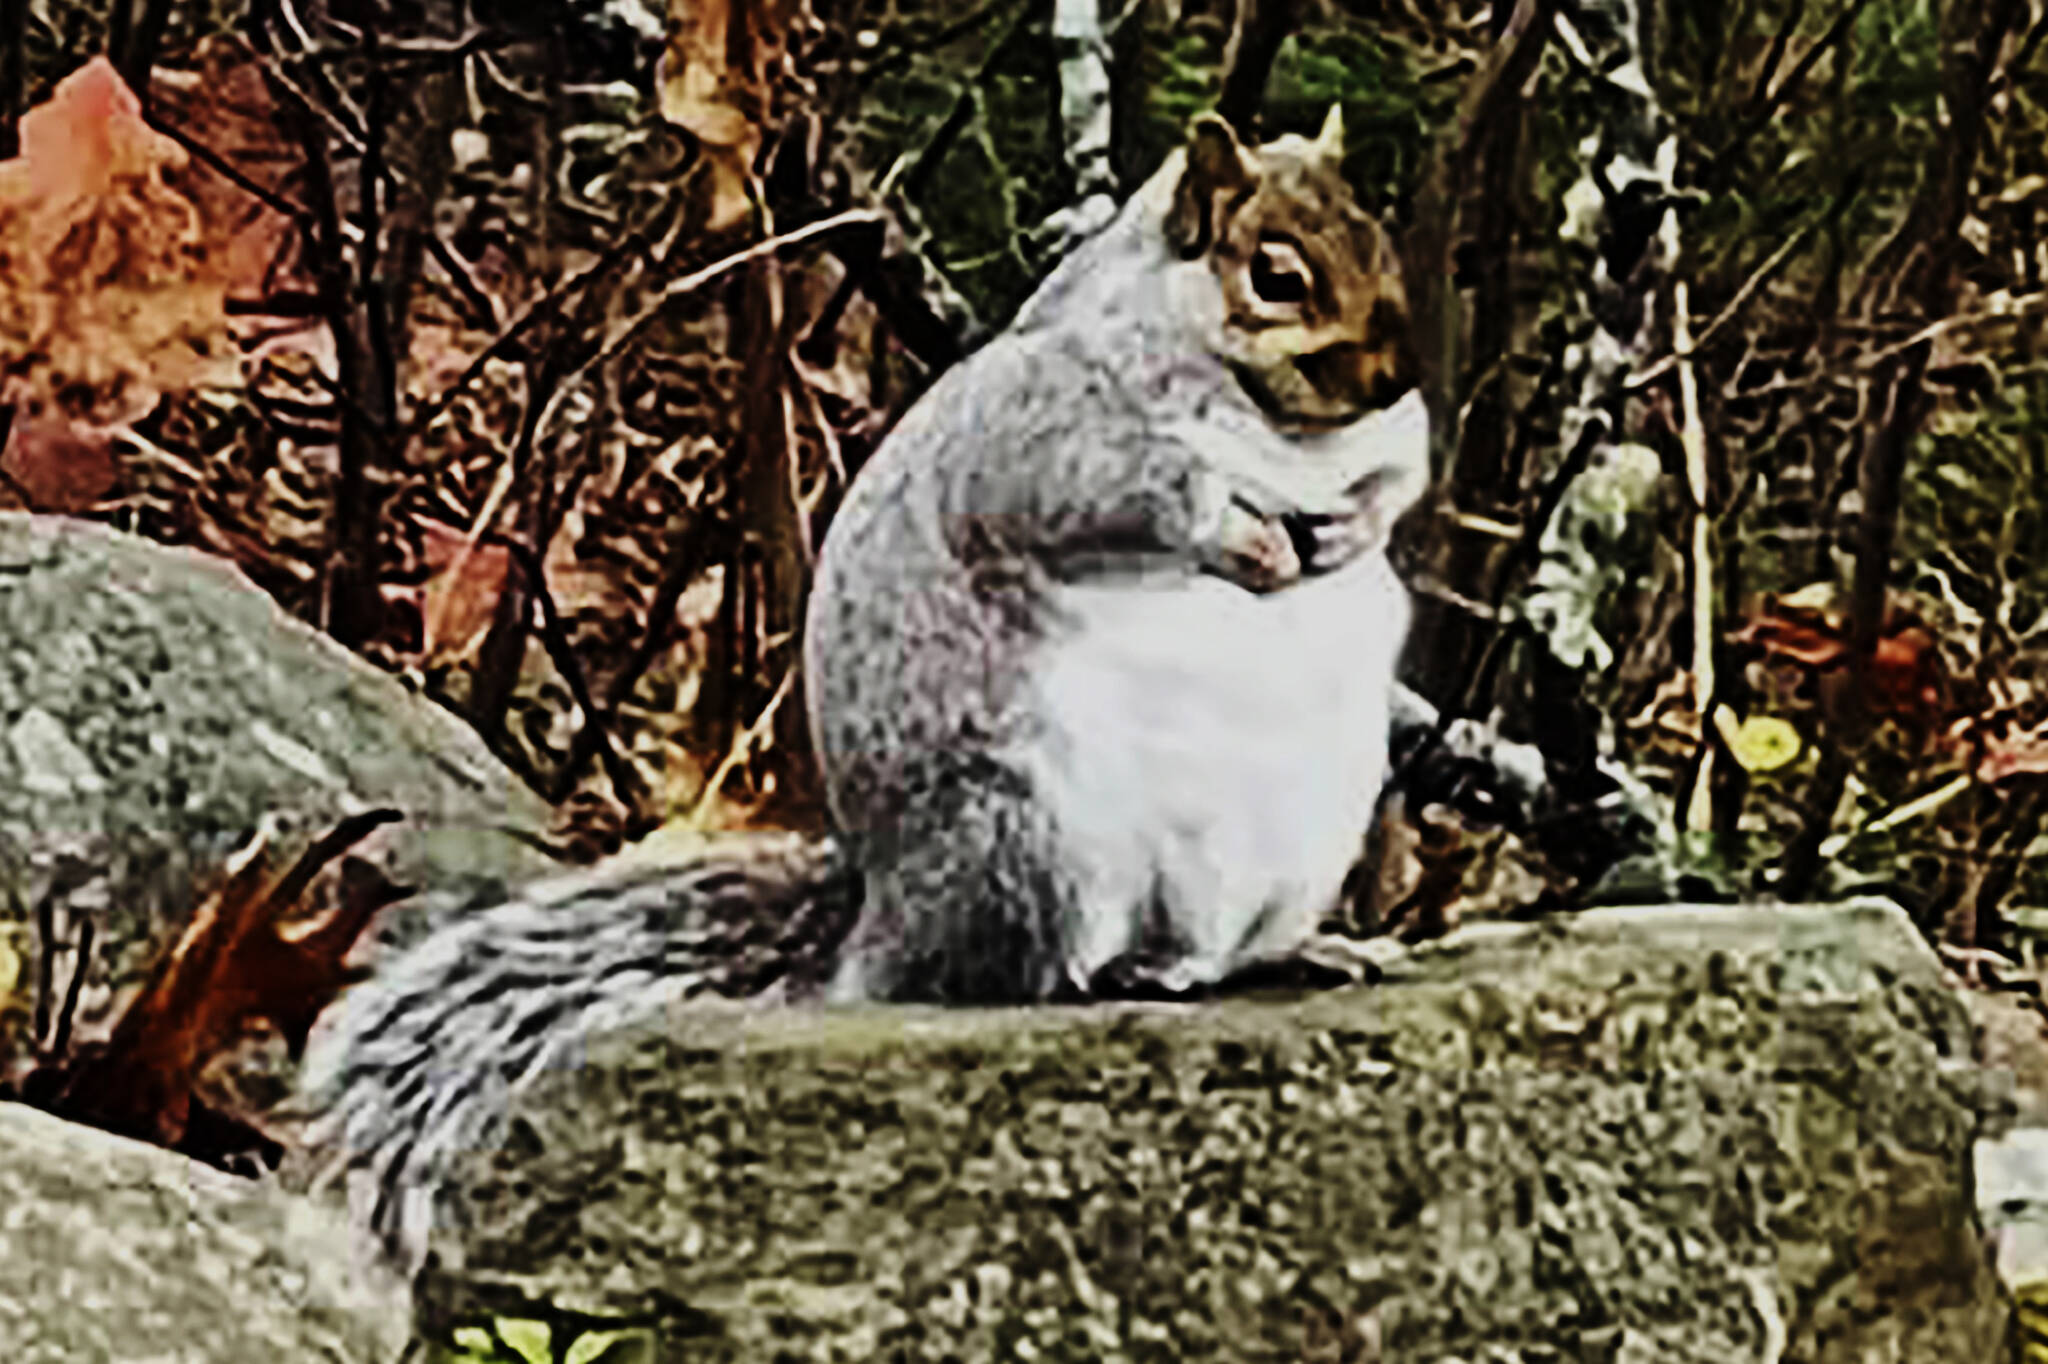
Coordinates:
(156,709)
(1670,1134)
(112,1252)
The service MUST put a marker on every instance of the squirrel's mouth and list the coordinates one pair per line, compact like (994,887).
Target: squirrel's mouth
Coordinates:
(1293,401)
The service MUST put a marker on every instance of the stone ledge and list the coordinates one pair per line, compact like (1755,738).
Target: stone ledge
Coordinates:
(113,1252)
(1678,1134)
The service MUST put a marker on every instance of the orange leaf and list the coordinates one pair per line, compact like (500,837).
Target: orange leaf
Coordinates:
(462,595)
(233,966)
(107,294)
(89,135)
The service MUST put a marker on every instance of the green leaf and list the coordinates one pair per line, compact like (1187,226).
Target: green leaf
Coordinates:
(528,1338)
(612,1347)
(473,1345)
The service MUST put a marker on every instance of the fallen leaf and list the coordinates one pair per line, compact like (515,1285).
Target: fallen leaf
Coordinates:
(1764,743)
(461,595)
(108,294)
(59,465)
(714,82)
(235,965)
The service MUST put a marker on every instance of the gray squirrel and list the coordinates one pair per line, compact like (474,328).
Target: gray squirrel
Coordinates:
(1099,661)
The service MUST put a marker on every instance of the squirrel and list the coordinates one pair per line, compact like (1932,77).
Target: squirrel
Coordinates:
(1098,665)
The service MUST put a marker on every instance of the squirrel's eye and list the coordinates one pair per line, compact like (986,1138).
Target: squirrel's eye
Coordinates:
(1279,275)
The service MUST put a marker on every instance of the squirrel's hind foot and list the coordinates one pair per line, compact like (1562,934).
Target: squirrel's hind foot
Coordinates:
(1327,961)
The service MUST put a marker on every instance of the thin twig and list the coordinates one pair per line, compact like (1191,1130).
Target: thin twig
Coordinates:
(46,965)
(273,65)
(1761,113)
(1780,40)
(372,284)
(742,748)
(1643,378)
(1697,817)
(391,54)
(692,555)
(539,311)
(2014,310)
(345,106)
(904,50)
(1835,844)
(1520,558)
(222,167)
(465,283)
(323,850)
(1797,75)
(555,639)
(81,958)
(623,334)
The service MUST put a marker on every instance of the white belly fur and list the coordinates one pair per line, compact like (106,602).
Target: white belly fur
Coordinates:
(1218,749)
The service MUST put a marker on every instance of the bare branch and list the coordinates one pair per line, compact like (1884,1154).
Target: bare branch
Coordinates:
(1255,38)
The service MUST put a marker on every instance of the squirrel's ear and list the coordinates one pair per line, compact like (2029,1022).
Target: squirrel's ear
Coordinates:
(1330,141)
(1217,165)
(1215,155)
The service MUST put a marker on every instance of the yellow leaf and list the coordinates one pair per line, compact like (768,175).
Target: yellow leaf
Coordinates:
(475,1346)
(529,1338)
(1764,743)
(714,80)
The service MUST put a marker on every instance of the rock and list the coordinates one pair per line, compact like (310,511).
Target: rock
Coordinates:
(2012,1162)
(1655,1134)
(2012,1199)
(112,1251)
(155,707)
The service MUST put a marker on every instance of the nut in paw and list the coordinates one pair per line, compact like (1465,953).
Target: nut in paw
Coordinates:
(1257,551)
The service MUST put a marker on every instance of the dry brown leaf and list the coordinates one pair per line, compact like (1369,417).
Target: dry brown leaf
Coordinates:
(108,293)
(234,966)
(714,82)
(1906,677)
(461,596)
(59,466)
(225,105)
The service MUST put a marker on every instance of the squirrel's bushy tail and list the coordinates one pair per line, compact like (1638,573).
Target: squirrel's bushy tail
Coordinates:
(419,1064)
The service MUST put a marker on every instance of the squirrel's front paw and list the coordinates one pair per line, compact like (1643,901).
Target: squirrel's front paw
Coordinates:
(1326,541)
(1256,552)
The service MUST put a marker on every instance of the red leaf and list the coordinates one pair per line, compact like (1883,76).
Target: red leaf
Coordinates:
(59,465)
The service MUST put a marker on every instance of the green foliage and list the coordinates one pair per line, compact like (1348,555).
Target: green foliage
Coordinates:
(1862,118)
(1975,509)
(999,170)
(1390,117)
(1178,74)
(518,1340)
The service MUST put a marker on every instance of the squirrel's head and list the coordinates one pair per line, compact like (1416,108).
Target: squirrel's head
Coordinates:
(1314,320)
